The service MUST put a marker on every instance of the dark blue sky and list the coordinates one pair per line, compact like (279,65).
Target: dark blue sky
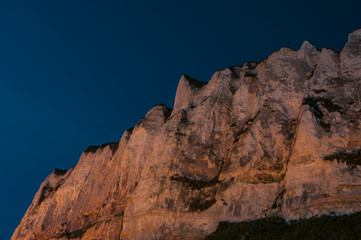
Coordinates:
(78,73)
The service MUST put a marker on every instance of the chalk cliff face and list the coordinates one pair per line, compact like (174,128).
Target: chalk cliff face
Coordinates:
(280,137)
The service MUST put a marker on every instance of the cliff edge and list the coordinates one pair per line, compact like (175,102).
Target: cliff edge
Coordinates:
(280,137)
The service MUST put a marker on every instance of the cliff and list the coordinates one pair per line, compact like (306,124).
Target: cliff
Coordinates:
(280,137)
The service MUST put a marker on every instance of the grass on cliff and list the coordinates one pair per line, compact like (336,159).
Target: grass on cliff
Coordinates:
(352,158)
(195,183)
(346,227)
(113,146)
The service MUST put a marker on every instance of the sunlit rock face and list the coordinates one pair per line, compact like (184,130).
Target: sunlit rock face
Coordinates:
(280,137)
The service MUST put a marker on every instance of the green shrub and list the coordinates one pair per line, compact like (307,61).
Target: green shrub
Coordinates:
(346,227)
(352,158)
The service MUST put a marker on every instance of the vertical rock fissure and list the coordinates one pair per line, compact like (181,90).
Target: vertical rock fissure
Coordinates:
(246,127)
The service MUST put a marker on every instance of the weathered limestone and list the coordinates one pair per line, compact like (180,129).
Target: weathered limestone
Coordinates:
(248,144)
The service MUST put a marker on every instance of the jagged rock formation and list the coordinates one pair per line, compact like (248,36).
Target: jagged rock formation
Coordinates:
(280,137)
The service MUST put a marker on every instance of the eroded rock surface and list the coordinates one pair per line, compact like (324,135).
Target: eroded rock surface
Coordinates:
(280,137)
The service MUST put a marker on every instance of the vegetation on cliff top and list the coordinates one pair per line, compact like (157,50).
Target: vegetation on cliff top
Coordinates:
(92,149)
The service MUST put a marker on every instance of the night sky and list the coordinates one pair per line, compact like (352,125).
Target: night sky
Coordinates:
(78,73)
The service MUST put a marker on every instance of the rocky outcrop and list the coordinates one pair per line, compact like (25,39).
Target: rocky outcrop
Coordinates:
(280,137)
